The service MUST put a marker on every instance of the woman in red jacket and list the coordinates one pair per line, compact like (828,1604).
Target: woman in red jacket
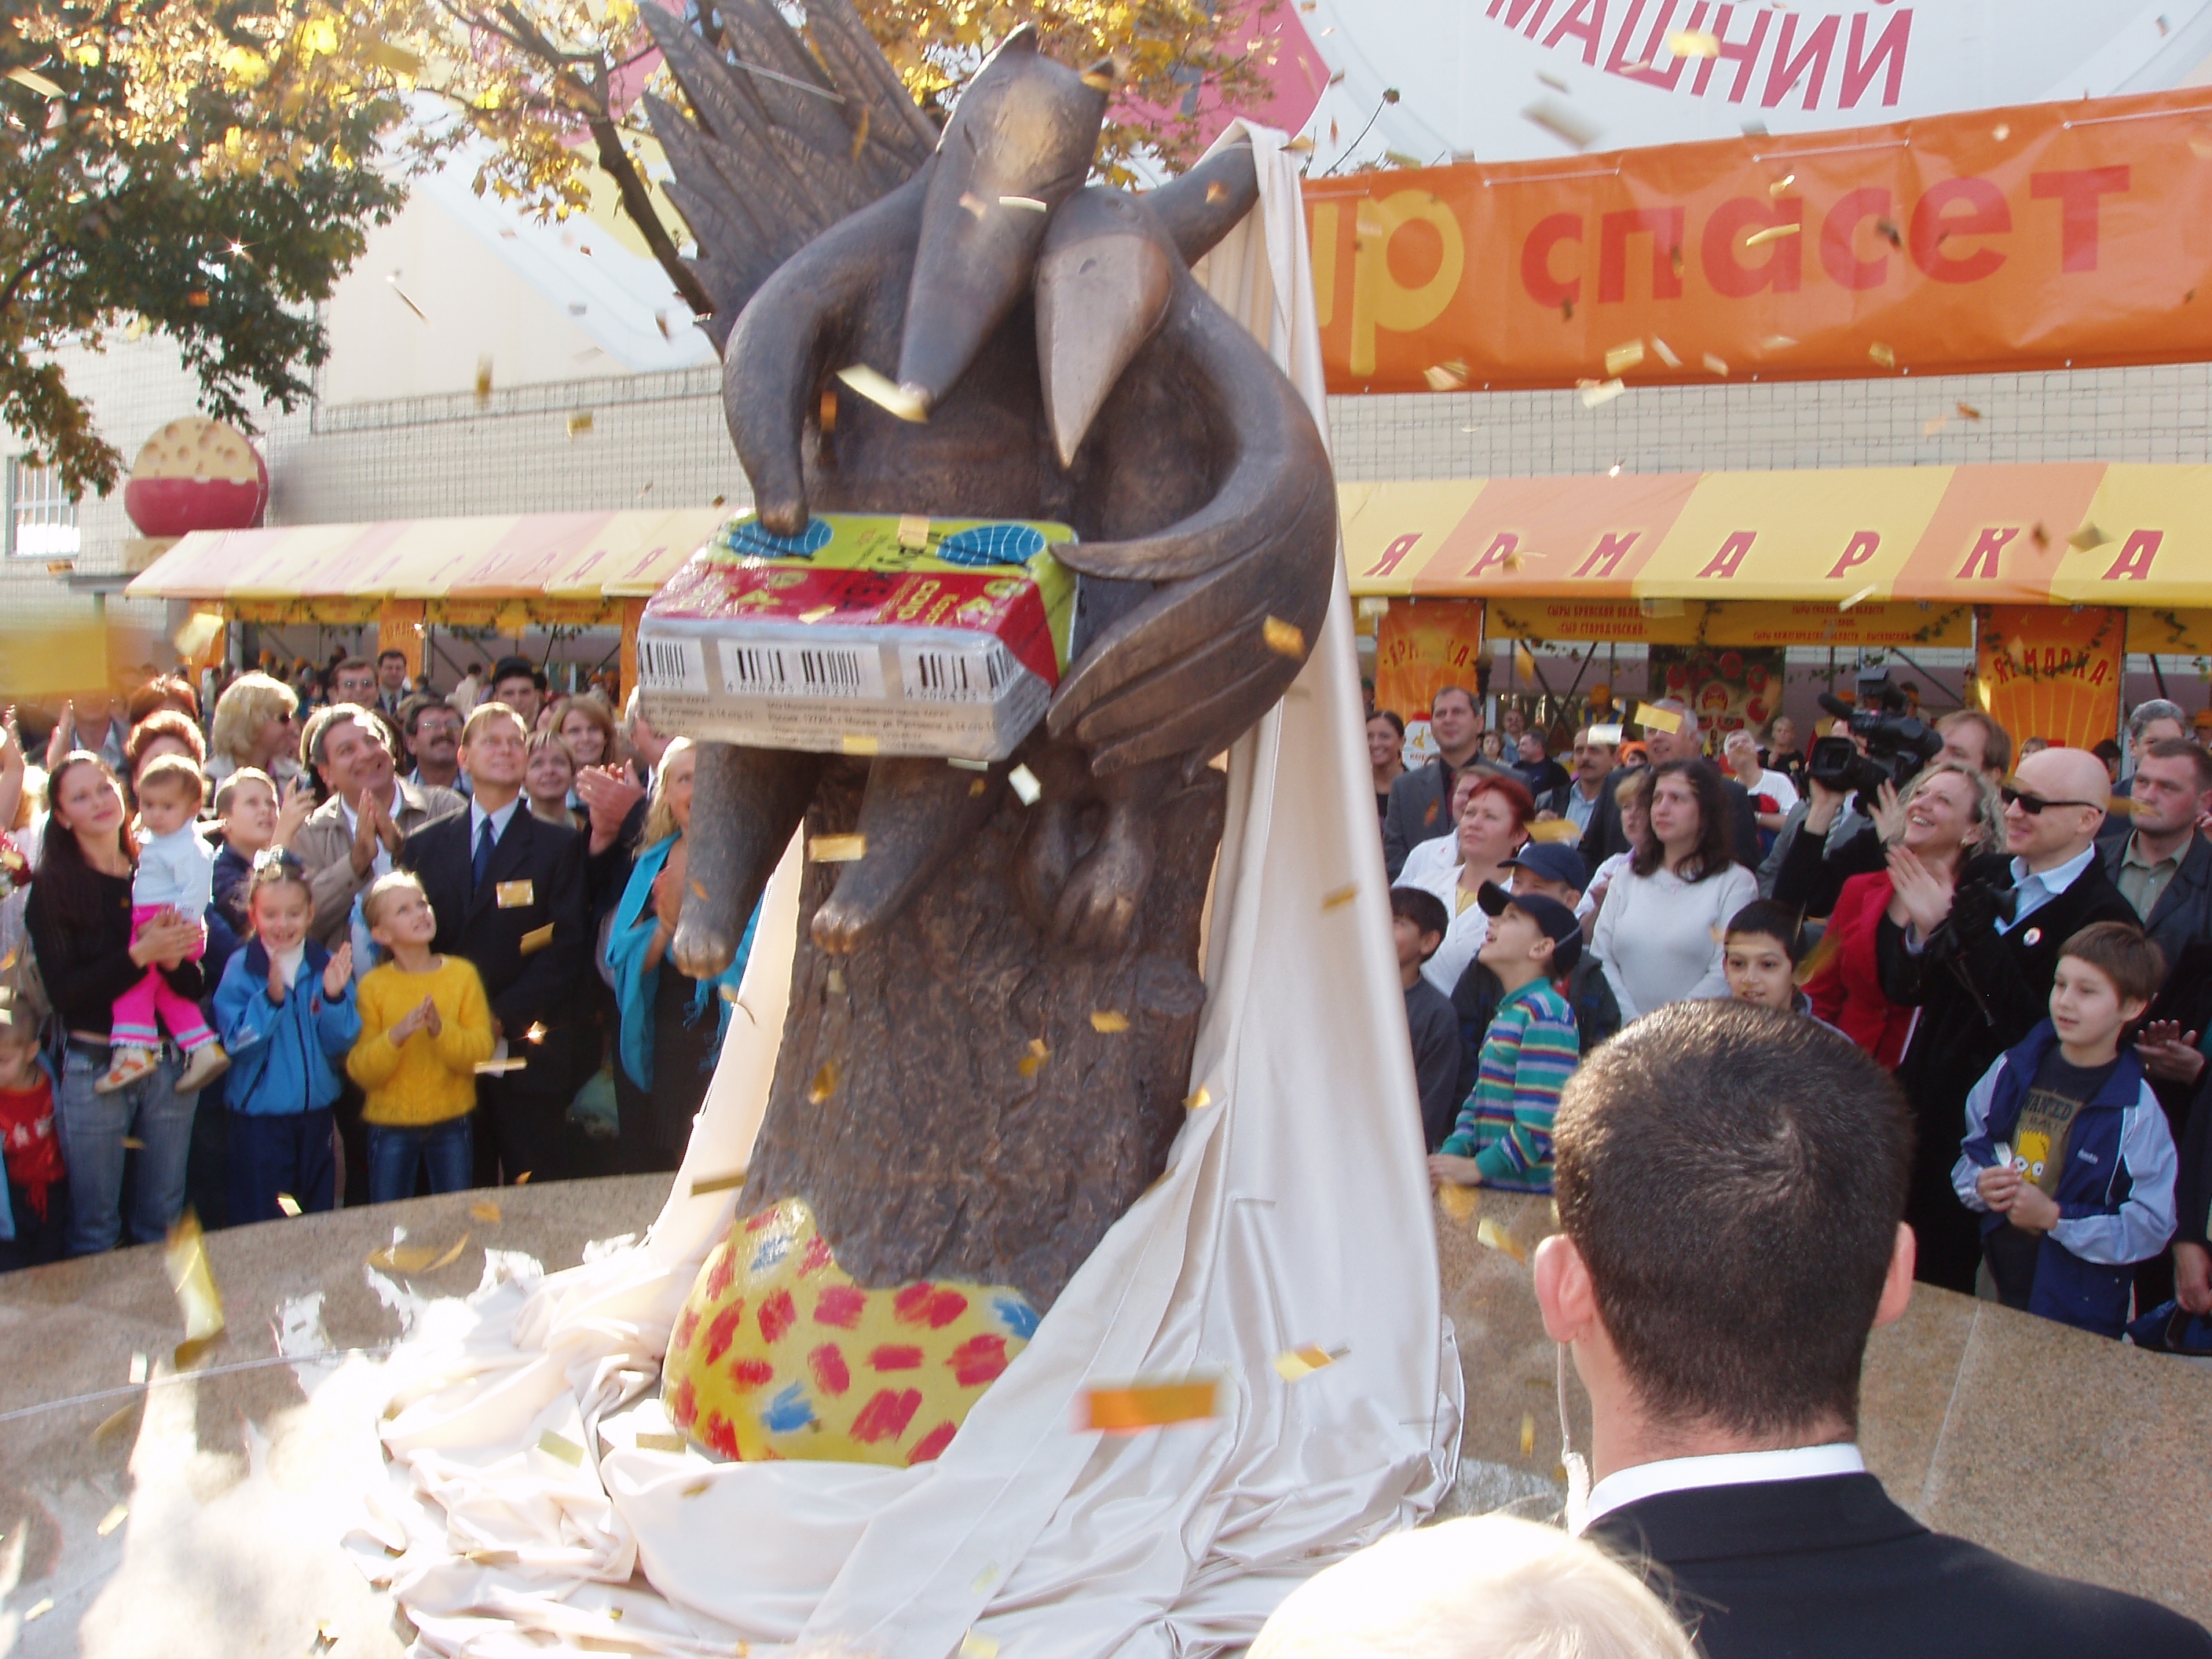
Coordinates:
(1949,812)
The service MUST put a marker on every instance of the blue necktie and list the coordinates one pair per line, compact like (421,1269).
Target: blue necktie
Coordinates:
(482,861)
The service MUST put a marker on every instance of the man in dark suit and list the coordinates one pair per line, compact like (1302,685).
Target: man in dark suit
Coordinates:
(1604,836)
(509,894)
(1982,982)
(1420,800)
(1722,1352)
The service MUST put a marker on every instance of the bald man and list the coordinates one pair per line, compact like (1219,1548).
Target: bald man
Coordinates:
(1982,982)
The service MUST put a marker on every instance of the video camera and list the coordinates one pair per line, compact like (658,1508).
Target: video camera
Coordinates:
(1898,745)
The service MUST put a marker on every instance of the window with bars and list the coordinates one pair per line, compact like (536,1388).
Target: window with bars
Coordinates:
(41,516)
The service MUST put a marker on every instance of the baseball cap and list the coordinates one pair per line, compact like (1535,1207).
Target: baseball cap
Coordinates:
(1557,922)
(1554,860)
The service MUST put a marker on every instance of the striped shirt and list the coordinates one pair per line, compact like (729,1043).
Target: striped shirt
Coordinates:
(1506,1125)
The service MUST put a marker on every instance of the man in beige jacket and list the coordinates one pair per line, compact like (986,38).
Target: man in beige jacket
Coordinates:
(348,840)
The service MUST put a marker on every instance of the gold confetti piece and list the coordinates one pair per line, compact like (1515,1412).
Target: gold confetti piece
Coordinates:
(1147,1406)
(974,204)
(976,1645)
(1216,194)
(483,380)
(1780,185)
(114,1518)
(110,1424)
(1340,897)
(1718,365)
(647,1440)
(1491,1235)
(1284,639)
(1107,1020)
(44,1605)
(1693,43)
(1602,391)
(1624,357)
(818,613)
(914,530)
(1929,428)
(966,765)
(1446,377)
(1555,830)
(1527,1434)
(886,394)
(1866,592)
(1459,1202)
(288,1204)
(2087,537)
(1025,783)
(717,501)
(851,745)
(1300,145)
(138,1368)
(1198,1099)
(190,1276)
(825,1083)
(1525,662)
(491,1558)
(1882,355)
(1967,411)
(1292,1364)
(837,980)
(450,1256)
(500,1068)
(402,1258)
(580,423)
(1772,233)
(838,849)
(132,1144)
(1040,1051)
(560,1446)
(2001,132)
(719,1183)
(1653,719)
(485,1209)
(32,80)
(1777,343)
(1666,353)
(1026,203)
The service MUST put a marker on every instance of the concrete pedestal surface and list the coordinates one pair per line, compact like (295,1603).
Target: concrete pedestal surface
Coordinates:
(2066,1452)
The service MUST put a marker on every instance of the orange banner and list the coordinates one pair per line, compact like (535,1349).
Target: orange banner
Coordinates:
(2036,237)
(2052,671)
(1420,649)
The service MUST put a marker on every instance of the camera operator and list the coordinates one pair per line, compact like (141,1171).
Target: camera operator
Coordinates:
(1978,961)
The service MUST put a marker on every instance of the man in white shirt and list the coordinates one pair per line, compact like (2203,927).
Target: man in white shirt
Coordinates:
(1722,1351)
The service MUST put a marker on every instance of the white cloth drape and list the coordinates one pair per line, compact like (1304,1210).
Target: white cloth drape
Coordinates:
(1294,1211)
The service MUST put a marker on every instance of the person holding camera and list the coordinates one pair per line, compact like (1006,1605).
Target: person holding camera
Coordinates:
(1977,959)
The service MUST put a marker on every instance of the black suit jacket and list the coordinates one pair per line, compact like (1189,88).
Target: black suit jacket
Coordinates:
(536,987)
(1828,1568)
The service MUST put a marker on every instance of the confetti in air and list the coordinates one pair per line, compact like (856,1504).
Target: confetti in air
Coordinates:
(886,393)
(1147,1405)
(718,1184)
(838,849)
(1622,357)
(1491,1235)
(1294,1364)
(1284,639)
(1109,1020)
(1025,783)
(824,1084)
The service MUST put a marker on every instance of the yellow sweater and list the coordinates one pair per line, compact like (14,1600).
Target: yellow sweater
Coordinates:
(425,1079)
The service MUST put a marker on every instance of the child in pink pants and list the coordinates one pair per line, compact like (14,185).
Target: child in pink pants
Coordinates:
(176,872)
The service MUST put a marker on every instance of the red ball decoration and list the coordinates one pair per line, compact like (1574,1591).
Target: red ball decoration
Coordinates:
(196,474)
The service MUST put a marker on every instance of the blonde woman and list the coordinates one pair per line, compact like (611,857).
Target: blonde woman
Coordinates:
(255,725)
(548,780)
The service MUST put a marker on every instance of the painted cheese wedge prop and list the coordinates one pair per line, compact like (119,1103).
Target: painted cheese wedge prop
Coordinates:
(778,1354)
(196,474)
(864,633)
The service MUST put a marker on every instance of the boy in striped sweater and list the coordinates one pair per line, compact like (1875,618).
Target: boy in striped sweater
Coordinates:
(1503,1137)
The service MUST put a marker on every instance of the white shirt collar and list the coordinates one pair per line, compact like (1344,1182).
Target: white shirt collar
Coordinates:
(287,962)
(2059,877)
(499,820)
(1632,1485)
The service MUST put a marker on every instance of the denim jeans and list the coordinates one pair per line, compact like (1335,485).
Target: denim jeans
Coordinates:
(93,1128)
(394,1153)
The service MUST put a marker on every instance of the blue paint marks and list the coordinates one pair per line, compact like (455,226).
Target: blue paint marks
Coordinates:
(773,1249)
(789,1410)
(992,543)
(748,539)
(1019,1318)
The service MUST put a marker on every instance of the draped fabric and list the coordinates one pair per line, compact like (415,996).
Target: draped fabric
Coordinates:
(1294,1211)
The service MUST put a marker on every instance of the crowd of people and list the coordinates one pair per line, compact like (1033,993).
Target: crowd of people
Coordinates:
(339,938)
(2024,945)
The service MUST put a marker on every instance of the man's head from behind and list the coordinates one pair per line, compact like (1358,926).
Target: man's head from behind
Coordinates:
(1729,1180)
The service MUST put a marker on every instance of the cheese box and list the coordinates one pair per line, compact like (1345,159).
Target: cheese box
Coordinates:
(864,633)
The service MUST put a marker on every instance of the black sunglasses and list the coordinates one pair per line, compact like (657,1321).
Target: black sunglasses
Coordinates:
(2032,804)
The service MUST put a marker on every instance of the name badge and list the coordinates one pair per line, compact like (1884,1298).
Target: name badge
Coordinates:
(535,940)
(516,895)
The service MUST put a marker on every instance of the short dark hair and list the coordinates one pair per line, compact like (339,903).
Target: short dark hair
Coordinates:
(2181,749)
(2123,953)
(1391,716)
(517,668)
(1424,909)
(340,667)
(1474,707)
(1733,1176)
(1768,919)
(1996,742)
(383,656)
(411,710)
(2106,751)
(1712,856)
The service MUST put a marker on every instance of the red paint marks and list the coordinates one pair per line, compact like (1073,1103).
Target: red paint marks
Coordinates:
(683,1404)
(924,1304)
(886,1415)
(977,1360)
(895,1356)
(930,1446)
(718,1436)
(750,1374)
(724,1330)
(830,1373)
(766,1218)
(817,1257)
(687,1327)
(777,1315)
(720,1271)
(840,1305)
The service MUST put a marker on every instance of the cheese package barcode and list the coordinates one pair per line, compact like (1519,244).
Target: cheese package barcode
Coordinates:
(920,637)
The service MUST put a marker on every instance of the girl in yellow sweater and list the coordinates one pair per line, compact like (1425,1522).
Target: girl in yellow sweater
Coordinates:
(425,1028)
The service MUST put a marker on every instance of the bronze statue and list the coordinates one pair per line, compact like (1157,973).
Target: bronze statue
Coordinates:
(988,1043)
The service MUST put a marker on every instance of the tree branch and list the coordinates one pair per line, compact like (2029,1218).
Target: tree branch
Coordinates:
(637,201)
(16,282)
